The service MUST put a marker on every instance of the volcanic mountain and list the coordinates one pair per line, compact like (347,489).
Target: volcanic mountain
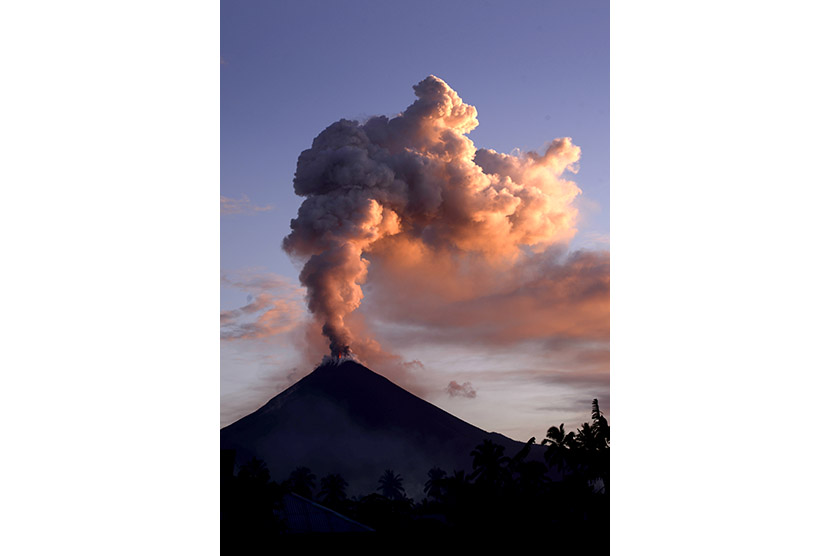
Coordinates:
(344,418)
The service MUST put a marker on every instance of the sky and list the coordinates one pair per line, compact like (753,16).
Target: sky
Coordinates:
(515,346)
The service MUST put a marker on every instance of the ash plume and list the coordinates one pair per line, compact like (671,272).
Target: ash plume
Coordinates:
(415,183)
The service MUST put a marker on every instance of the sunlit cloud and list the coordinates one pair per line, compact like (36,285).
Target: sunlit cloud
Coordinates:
(414,191)
(274,307)
(438,299)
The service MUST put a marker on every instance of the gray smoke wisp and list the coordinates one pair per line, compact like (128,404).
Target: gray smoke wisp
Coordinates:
(416,182)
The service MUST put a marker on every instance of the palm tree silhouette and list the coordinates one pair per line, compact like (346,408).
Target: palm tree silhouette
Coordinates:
(333,489)
(560,446)
(530,476)
(456,482)
(249,502)
(601,443)
(489,464)
(255,471)
(584,455)
(391,485)
(585,437)
(601,429)
(301,481)
(435,484)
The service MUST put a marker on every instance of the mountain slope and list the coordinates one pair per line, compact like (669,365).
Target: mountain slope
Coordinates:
(347,419)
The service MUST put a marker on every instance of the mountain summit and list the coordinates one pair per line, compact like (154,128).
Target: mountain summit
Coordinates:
(344,418)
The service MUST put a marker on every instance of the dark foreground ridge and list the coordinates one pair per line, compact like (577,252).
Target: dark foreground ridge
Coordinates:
(349,420)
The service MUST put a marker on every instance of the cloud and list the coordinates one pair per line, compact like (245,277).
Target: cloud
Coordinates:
(254,280)
(430,298)
(413,190)
(242,205)
(594,379)
(273,316)
(465,390)
(276,307)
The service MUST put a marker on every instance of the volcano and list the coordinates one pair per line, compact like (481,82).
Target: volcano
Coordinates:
(344,418)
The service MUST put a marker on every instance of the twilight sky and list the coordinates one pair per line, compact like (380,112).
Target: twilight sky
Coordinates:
(513,339)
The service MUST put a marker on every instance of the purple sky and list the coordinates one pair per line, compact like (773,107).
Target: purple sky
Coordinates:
(535,71)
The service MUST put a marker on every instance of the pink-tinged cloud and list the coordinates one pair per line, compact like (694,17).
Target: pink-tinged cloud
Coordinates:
(413,189)
(242,205)
(273,316)
(276,307)
(439,298)
(464,390)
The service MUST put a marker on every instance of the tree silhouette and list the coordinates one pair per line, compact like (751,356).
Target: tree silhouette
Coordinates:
(435,484)
(333,490)
(490,464)
(391,485)
(599,462)
(249,504)
(457,500)
(255,472)
(523,453)
(530,476)
(560,445)
(456,487)
(302,481)
(585,437)
(586,453)
(507,494)
(601,428)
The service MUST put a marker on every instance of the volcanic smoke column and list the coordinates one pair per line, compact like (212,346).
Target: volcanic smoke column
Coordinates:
(419,180)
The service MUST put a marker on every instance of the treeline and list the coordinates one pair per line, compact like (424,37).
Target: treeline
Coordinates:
(502,494)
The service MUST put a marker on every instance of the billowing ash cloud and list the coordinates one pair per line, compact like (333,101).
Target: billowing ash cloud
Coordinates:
(416,185)
(465,390)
